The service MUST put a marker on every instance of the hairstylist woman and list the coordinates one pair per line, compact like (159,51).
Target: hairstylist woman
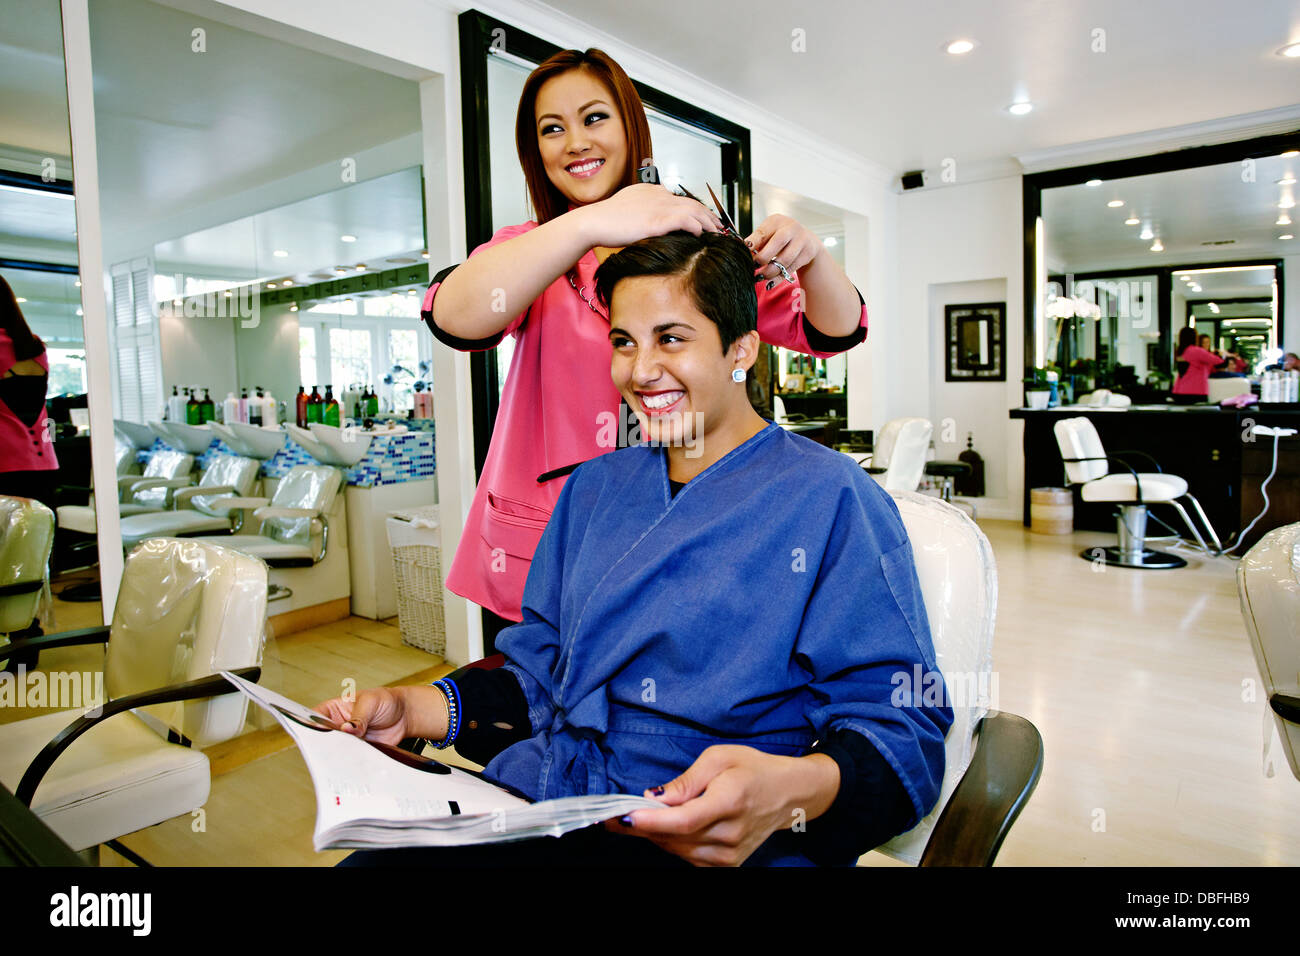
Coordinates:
(26,450)
(581,134)
(1194,367)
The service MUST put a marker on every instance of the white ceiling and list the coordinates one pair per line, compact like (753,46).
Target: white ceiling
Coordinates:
(1185,209)
(874,78)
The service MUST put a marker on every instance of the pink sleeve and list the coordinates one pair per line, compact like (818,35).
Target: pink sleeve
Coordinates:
(504,234)
(1199,356)
(781,321)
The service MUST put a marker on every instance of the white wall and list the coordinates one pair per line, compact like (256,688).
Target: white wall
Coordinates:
(198,351)
(959,243)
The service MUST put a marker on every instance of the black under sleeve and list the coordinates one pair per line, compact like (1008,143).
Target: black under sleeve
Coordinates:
(821,342)
(455,341)
(871,808)
(489,698)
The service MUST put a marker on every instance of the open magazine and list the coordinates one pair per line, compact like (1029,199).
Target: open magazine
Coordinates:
(371,796)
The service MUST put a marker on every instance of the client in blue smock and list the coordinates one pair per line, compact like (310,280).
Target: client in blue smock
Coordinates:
(713,617)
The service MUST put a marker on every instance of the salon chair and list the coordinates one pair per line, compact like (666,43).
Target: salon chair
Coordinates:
(26,540)
(1228,387)
(167,471)
(301,534)
(194,507)
(993,759)
(1268,582)
(897,460)
(1087,464)
(131,759)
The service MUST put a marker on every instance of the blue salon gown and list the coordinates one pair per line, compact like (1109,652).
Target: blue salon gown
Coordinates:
(768,603)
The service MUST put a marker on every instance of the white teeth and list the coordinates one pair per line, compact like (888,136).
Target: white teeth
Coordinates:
(587,166)
(661,401)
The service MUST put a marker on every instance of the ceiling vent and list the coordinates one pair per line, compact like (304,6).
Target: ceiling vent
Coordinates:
(1219,242)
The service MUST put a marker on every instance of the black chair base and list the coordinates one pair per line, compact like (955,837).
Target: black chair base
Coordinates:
(1148,559)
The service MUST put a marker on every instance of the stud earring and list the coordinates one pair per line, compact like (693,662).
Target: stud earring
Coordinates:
(737,375)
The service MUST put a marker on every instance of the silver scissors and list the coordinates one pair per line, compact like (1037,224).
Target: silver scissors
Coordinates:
(729,227)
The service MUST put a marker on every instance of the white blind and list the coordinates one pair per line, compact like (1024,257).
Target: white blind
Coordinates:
(136,342)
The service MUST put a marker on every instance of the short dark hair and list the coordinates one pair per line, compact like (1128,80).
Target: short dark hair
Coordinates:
(717,270)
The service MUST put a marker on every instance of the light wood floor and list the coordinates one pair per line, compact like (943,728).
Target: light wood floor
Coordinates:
(1133,678)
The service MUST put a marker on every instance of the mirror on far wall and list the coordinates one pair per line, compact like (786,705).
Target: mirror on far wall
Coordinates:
(1127,262)
(38,259)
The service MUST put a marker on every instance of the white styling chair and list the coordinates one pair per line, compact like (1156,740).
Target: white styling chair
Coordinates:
(195,513)
(993,759)
(166,471)
(1087,464)
(1268,582)
(1227,387)
(26,540)
(898,454)
(129,756)
(301,535)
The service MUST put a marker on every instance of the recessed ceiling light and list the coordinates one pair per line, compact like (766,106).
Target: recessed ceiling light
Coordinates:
(361,267)
(294,307)
(287,282)
(1157,246)
(1283,220)
(424,255)
(1286,204)
(341,271)
(1132,221)
(1286,181)
(1291,50)
(417,292)
(77,283)
(1115,203)
(280,254)
(1194,287)
(270,285)
(1287,236)
(830,242)
(1147,233)
(1093,182)
(229,293)
(1020,109)
(1186,278)
(21,299)
(958,47)
(1214,307)
(347,238)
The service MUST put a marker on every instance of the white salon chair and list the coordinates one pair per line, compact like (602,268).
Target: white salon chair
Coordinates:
(1230,387)
(26,540)
(897,459)
(1087,464)
(166,471)
(185,611)
(195,512)
(299,536)
(1268,582)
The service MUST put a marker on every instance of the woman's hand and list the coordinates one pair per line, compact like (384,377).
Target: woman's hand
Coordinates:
(786,240)
(390,714)
(642,210)
(731,799)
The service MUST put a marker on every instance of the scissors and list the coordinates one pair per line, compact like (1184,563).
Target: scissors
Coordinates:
(729,227)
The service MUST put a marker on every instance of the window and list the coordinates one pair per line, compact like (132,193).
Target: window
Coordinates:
(307,374)
(67,371)
(350,358)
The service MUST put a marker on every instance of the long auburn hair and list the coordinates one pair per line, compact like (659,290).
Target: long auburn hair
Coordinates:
(548,202)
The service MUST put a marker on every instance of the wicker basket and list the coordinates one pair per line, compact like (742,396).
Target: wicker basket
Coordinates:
(417,575)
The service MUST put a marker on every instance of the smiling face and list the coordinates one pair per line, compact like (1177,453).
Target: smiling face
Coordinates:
(670,368)
(581,137)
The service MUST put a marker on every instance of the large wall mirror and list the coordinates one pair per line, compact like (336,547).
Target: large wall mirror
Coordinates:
(38,260)
(263,220)
(1122,256)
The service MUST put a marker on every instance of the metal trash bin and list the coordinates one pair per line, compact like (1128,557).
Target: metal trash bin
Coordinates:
(415,539)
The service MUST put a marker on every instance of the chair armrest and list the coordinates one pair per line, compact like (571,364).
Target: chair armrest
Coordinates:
(262,514)
(21,587)
(1003,773)
(238,503)
(874,471)
(1141,454)
(185,494)
(1286,707)
(141,484)
(211,686)
(43,642)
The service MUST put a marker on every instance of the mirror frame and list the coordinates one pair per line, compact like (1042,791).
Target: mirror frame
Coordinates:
(1033,185)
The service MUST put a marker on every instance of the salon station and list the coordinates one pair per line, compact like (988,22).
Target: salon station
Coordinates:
(222,220)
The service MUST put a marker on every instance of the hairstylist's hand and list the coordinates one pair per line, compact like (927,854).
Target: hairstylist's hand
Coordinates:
(786,240)
(730,800)
(380,713)
(642,210)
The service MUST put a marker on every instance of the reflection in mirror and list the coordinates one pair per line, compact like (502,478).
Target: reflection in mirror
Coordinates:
(261,241)
(1130,262)
(44,434)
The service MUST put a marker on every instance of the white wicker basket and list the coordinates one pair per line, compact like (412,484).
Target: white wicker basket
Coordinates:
(415,539)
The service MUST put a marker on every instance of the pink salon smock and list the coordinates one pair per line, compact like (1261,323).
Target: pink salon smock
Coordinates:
(559,407)
(25,444)
(1200,363)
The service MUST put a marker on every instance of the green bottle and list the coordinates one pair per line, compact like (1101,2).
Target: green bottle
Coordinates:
(330,414)
(194,409)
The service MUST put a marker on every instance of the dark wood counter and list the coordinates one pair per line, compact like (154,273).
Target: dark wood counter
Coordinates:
(1209,446)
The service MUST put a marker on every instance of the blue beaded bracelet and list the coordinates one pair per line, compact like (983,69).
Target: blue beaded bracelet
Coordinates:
(452,694)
